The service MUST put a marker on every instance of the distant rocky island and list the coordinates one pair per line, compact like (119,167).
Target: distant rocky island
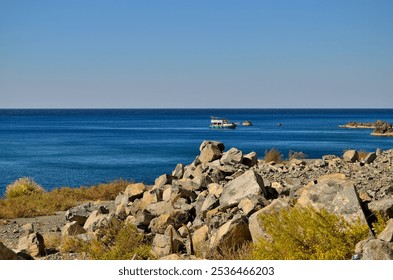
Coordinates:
(380,128)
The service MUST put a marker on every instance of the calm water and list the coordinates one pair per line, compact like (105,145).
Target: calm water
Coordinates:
(85,147)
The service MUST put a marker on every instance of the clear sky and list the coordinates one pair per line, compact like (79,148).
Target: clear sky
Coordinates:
(196,54)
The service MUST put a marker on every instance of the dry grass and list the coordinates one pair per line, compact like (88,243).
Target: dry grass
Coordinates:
(362,154)
(226,252)
(47,203)
(273,155)
(22,187)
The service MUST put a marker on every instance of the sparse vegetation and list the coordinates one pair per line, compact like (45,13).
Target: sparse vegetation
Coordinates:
(226,252)
(118,241)
(362,154)
(380,224)
(296,155)
(308,234)
(273,155)
(23,187)
(39,203)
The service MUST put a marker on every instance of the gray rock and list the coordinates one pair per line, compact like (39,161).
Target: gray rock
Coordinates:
(72,229)
(209,203)
(376,249)
(250,159)
(219,145)
(28,228)
(336,194)
(178,172)
(387,233)
(232,156)
(383,206)
(210,153)
(231,234)
(370,158)
(6,253)
(163,180)
(32,244)
(248,184)
(160,208)
(79,213)
(255,227)
(351,156)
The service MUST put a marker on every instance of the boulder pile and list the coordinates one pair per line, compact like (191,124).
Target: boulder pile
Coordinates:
(215,201)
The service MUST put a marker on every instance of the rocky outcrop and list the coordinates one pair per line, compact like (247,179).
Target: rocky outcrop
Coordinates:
(380,128)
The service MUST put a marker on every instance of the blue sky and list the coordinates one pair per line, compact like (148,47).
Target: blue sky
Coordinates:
(196,54)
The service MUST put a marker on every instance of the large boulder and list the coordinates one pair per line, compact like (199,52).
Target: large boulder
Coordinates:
(210,153)
(219,145)
(231,234)
(351,156)
(79,213)
(370,158)
(254,224)
(232,156)
(6,253)
(250,159)
(334,193)
(246,185)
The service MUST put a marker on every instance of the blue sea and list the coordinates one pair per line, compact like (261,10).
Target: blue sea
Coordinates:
(87,146)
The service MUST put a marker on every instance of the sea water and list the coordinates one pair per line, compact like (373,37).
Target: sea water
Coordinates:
(88,146)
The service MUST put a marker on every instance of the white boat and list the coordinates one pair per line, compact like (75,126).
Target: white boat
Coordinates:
(221,123)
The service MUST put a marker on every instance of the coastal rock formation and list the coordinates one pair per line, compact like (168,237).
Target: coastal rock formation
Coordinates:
(217,200)
(380,128)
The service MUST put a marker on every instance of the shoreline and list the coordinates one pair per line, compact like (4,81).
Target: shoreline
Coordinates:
(221,190)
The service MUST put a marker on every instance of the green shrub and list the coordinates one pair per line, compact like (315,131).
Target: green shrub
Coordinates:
(273,155)
(119,241)
(308,234)
(380,224)
(22,187)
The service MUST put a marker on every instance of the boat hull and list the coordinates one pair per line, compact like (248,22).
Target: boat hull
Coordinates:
(225,126)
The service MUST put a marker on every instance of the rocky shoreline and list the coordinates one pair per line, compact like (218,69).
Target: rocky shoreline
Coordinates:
(215,201)
(380,128)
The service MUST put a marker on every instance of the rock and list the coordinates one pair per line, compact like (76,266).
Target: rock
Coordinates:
(134,191)
(250,159)
(148,198)
(210,153)
(336,194)
(122,211)
(232,234)
(143,219)
(96,220)
(387,233)
(32,244)
(383,206)
(160,208)
(376,249)
(199,237)
(121,198)
(370,158)
(161,245)
(163,180)
(178,172)
(219,145)
(247,123)
(248,184)
(232,156)
(255,227)
(176,218)
(215,189)
(351,156)
(72,229)
(247,205)
(6,253)
(79,213)
(28,229)
(209,203)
